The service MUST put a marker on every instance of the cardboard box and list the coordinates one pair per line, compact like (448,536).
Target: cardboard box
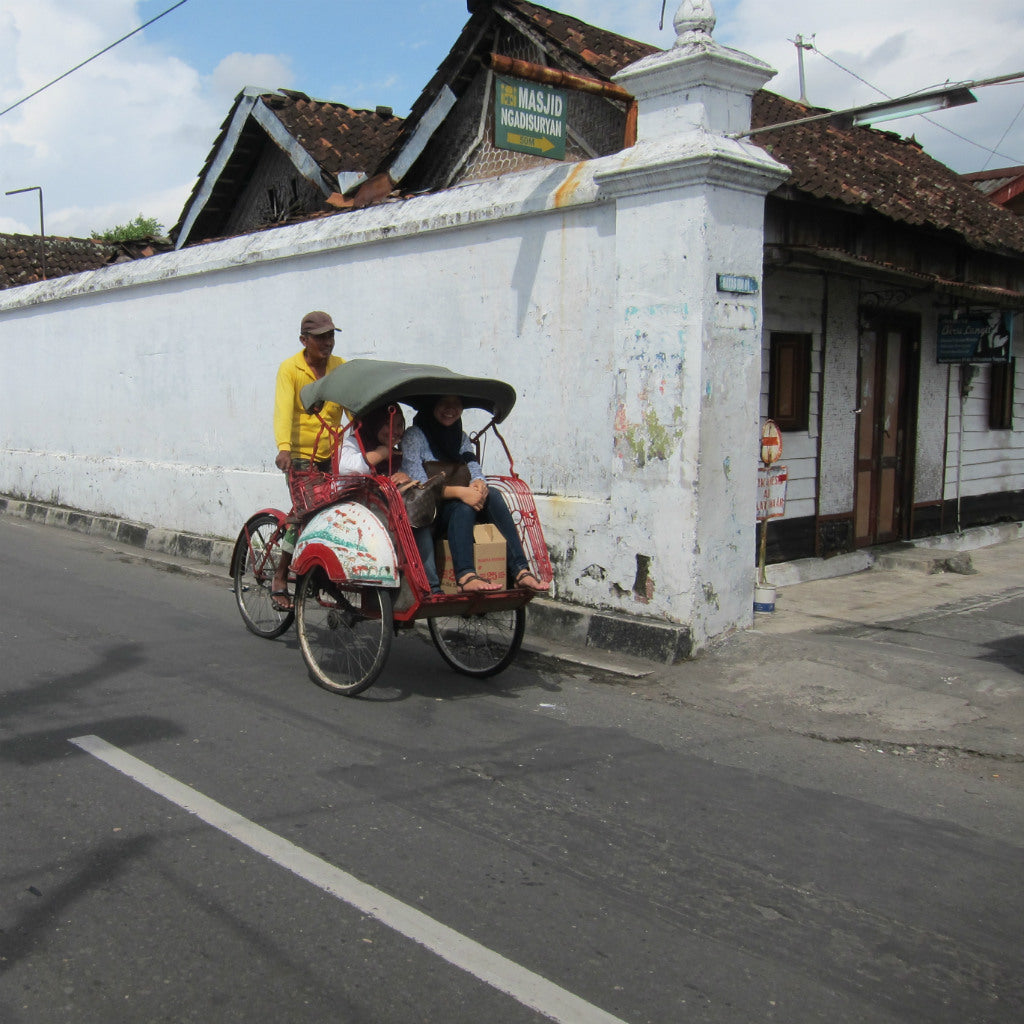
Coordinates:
(488,553)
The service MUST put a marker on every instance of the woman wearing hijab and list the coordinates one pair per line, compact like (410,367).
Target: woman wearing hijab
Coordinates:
(436,435)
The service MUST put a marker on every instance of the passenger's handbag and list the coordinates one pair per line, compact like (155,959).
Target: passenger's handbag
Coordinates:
(456,474)
(421,500)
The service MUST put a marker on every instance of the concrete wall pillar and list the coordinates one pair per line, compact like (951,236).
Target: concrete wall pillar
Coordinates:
(689,207)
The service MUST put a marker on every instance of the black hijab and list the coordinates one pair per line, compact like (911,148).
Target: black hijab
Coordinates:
(445,442)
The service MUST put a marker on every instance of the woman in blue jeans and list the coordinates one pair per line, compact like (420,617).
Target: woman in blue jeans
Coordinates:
(436,435)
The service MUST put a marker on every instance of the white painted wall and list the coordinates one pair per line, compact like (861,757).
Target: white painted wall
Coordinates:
(984,460)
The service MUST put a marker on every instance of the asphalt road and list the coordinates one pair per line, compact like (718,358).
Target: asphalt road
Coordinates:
(237,844)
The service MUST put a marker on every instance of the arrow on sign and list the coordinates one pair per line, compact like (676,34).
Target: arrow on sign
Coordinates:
(532,141)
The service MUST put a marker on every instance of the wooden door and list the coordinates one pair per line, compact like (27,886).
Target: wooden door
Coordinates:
(886,425)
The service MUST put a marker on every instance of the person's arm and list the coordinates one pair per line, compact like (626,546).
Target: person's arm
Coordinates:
(284,406)
(415,451)
(350,458)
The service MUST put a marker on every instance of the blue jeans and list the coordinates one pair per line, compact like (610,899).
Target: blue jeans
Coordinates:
(424,536)
(457,519)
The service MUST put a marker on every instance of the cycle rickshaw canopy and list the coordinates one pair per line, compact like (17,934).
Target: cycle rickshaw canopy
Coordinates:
(360,385)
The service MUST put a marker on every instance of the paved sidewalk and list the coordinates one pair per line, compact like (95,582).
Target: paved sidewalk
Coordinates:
(896,657)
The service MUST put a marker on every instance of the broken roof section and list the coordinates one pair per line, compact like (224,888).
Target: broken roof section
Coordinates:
(883,172)
(279,155)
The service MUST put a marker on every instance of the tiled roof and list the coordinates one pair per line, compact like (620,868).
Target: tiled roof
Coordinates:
(864,167)
(338,137)
(20,263)
(605,52)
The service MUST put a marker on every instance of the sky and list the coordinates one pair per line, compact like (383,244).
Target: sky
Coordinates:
(128,133)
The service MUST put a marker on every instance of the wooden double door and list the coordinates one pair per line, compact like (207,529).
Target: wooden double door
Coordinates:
(888,364)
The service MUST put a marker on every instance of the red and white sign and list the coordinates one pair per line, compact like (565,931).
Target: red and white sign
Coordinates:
(771,443)
(771,492)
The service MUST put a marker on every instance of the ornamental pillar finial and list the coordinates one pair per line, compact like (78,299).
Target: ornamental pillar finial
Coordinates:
(694,22)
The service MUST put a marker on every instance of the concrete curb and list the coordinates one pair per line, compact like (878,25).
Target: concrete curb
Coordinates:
(207,550)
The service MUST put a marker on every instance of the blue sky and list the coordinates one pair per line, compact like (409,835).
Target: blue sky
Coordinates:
(129,132)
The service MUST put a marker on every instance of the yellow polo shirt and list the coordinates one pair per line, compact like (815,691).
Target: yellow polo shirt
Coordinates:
(295,430)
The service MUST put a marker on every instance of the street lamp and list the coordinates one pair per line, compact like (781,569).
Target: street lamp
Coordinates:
(952,95)
(886,110)
(921,103)
(42,232)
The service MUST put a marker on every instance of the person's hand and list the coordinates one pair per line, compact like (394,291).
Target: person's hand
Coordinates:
(401,478)
(283,461)
(473,496)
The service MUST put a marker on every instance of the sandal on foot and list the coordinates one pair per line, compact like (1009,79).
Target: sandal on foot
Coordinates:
(281,600)
(465,585)
(526,579)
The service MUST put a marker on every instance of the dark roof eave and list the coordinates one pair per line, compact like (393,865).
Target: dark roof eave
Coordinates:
(808,257)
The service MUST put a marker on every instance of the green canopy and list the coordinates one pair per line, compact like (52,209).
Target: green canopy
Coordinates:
(362,384)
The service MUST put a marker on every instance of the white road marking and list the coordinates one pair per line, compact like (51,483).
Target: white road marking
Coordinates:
(522,985)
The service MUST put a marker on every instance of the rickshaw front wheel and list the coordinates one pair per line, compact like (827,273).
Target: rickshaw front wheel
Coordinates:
(479,645)
(344,631)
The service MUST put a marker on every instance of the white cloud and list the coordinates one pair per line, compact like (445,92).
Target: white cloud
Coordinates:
(124,135)
(239,70)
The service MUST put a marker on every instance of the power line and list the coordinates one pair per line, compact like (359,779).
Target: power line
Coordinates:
(92,58)
(1003,136)
(931,121)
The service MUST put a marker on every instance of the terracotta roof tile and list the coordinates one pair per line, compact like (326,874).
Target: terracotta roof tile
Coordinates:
(20,264)
(338,137)
(884,172)
(605,52)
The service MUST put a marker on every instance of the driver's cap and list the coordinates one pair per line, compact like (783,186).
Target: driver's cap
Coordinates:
(317,322)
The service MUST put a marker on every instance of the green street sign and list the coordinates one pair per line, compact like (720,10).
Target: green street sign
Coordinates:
(529,118)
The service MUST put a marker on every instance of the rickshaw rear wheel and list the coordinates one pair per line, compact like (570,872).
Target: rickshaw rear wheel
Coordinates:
(344,631)
(479,645)
(258,550)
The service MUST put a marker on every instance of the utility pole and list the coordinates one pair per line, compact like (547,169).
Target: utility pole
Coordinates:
(800,47)
(42,232)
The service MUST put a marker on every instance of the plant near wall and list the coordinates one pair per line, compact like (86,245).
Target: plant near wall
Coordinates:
(140,227)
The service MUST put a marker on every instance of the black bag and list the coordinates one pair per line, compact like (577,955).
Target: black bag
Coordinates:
(421,500)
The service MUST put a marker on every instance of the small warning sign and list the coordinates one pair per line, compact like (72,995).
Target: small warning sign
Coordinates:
(771,492)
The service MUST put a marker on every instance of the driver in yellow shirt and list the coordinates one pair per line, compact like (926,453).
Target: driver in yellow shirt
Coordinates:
(295,430)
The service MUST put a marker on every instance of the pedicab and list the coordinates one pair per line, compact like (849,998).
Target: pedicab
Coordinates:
(356,573)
